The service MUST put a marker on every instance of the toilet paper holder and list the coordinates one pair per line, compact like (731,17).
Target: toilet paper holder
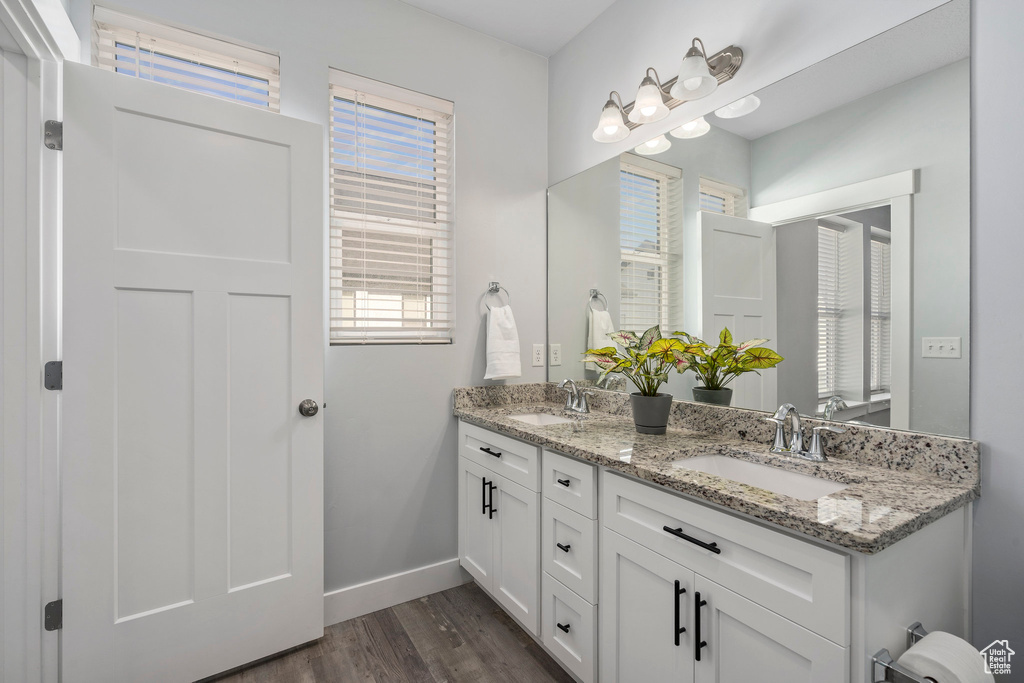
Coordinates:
(884,669)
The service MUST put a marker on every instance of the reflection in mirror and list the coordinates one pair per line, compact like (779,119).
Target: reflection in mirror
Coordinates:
(832,219)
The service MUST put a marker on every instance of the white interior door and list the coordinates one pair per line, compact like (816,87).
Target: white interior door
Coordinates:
(738,292)
(193,308)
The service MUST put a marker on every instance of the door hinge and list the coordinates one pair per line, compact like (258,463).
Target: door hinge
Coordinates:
(53,375)
(53,135)
(53,615)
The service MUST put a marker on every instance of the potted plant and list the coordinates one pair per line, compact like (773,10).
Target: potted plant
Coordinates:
(646,361)
(716,367)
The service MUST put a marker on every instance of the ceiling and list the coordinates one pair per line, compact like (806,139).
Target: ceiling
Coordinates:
(541,26)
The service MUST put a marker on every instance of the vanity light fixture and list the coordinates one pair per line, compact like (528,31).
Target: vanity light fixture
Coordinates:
(693,129)
(699,75)
(740,107)
(653,146)
(650,100)
(612,125)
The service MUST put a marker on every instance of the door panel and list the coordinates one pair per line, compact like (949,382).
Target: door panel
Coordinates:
(193,327)
(516,552)
(476,529)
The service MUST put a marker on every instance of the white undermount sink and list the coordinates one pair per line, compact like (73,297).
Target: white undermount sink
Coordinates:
(541,419)
(774,479)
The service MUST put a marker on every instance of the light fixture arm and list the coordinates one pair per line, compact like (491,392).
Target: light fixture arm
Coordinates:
(614,95)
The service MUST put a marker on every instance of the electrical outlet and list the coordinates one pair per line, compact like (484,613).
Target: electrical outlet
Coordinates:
(556,354)
(538,355)
(940,347)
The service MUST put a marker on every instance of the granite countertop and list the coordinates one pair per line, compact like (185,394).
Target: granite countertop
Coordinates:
(880,506)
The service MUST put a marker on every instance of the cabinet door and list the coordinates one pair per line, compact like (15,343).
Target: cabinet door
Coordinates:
(516,583)
(746,642)
(476,535)
(641,612)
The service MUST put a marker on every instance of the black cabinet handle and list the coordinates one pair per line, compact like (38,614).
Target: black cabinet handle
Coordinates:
(563,482)
(491,502)
(564,627)
(488,451)
(713,547)
(697,642)
(483,495)
(679,629)
(563,548)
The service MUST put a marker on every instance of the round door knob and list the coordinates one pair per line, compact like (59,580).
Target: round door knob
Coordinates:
(309,408)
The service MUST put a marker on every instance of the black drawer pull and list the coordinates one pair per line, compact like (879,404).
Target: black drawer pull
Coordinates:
(697,642)
(563,482)
(713,547)
(679,629)
(563,548)
(488,451)
(564,627)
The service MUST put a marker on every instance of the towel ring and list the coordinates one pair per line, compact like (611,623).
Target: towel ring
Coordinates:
(494,288)
(596,294)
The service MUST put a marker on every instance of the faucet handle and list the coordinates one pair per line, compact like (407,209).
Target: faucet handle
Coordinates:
(779,444)
(817,450)
(582,406)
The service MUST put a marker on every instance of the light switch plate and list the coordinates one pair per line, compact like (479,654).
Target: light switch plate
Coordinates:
(940,347)
(538,355)
(556,354)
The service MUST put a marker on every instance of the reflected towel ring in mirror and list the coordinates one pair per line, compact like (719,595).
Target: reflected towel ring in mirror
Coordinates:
(494,288)
(596,294)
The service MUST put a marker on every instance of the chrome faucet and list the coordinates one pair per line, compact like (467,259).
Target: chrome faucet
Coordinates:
(833,404)
(575,398)
(795,447)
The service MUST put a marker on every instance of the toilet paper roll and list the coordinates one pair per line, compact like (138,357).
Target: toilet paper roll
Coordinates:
(945,658)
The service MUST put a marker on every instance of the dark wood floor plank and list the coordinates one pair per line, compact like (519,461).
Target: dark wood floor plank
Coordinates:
(439,642)
(347,660)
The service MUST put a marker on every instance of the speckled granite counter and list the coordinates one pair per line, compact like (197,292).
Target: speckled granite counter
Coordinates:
(898,482)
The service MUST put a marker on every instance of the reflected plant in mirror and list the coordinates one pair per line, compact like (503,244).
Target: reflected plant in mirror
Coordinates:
(715,367)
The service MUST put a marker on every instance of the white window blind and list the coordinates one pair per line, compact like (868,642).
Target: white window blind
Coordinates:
(391,191)
(881,328)
(829,311)
(152,51)
(649,216)
(722,198)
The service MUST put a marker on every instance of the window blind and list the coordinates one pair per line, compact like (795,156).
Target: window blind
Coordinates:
(392,257)
(649,216)
(881,329)
(829,311)
(722,198)
(164,54)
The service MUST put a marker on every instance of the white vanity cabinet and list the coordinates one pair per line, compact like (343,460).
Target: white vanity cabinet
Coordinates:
(499,543)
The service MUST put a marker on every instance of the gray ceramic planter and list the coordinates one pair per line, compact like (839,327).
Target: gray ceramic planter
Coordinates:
(650,413)
(718,397)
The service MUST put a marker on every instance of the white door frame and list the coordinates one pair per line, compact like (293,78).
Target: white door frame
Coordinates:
(896,190)
(30,567)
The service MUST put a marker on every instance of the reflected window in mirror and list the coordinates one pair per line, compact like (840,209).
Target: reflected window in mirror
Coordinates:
(830,311)
(649,226)
(881,327)
(722,198)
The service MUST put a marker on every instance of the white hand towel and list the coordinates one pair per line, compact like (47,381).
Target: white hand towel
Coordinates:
(599,326)
(502,344)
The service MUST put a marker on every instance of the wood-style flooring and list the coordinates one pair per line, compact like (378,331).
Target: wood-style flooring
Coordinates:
(456,635)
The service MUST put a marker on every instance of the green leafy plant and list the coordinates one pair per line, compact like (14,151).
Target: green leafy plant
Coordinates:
(717,366)
(646,360)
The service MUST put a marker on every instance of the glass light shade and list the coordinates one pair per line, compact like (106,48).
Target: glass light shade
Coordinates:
(649,105)
(693,129)
(654,146)
(740,107)
(612,126)
(695,79)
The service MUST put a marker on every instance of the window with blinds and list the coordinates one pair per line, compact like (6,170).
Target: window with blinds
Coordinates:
(649,211)
(881,328)
(829,311)
(721,198)
(392,262)
(145,49)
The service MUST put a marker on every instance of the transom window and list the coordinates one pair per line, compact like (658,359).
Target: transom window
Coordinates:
(722,198)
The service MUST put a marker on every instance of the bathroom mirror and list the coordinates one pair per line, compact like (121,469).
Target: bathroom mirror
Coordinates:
(833,219)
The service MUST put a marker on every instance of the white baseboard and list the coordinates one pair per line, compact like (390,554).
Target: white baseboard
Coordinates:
(363,598)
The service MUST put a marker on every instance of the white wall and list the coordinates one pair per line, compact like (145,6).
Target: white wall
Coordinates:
(778,38)
(390,437)
(923,123)
(997,387)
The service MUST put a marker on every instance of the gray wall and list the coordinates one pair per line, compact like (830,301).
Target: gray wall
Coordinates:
(797,292)
(997,386)
(923,123)
(390,489)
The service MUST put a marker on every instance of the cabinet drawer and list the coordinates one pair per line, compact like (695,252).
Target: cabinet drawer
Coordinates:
(570,482)
(569,628)
(514,460)
(569,548)
(801,581)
